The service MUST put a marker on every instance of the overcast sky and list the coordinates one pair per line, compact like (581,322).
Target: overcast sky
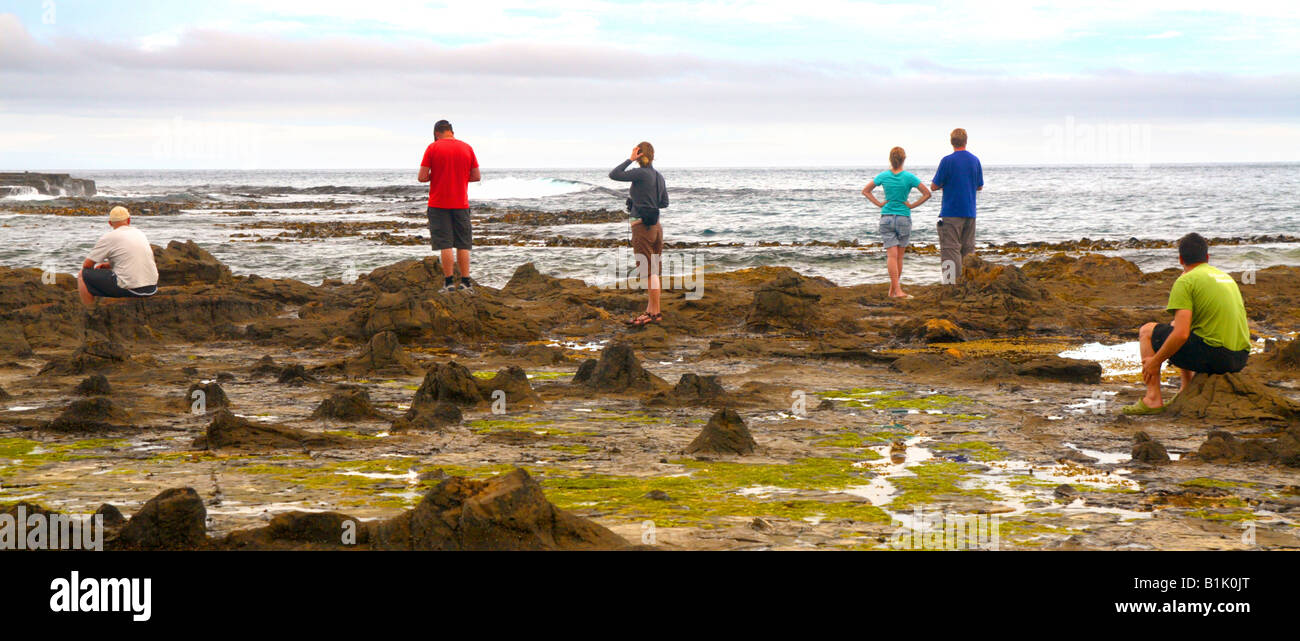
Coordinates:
(320,83)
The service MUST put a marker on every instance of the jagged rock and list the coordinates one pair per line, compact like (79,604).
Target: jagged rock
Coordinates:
(295,375)
(112,516)
(1056,368)
(538,354)
(93,414)
(1231,397)
(227,431)
(528,283)
(1065,492)
(450,382)
(692,389)
(173,520)
(4,396)
(933,330)
(15,344)
(93,385)
(618,370)
(349,403)
(506,512)
(1222,447)
(725,433)
(186,263)
(982,278)
(266,366)
(514,382)
(205,398)
(1148,450)
(385,355)
(1286,354)
(96,355)
(826,404)
(585,370)
(658,495)
(299,530)
(787,302)
(1088,269)
(429,417)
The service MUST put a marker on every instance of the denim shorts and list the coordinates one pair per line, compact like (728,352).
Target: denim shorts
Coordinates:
(895,230)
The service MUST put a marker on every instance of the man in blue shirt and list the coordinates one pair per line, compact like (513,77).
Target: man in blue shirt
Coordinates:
(959,176)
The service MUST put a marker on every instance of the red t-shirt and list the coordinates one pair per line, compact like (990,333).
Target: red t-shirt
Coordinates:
(449,162)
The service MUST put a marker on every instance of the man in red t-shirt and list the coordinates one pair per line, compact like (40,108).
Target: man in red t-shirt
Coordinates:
(449,166)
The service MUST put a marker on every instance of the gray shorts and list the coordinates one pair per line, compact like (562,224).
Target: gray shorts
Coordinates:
(895,230)
(450,228)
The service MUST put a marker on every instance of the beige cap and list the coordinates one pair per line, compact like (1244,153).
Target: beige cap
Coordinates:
(118,214)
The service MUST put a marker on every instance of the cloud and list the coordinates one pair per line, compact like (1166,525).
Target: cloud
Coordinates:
(1164,35)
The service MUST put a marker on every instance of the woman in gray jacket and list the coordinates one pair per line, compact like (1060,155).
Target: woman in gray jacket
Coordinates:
(646,196)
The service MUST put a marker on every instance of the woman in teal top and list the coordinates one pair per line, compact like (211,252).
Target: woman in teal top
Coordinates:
(896,213)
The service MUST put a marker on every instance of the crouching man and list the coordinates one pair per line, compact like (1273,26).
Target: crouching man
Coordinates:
(1209,332)
(120,265)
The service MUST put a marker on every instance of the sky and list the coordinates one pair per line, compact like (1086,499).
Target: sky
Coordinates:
(144,84)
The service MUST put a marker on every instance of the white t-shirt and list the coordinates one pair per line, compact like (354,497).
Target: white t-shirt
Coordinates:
(129,252)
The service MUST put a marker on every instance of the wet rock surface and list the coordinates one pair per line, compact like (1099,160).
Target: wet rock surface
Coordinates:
(903,418)
(227,431)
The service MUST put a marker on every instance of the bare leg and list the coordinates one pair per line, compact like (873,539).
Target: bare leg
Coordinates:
(894,261)
(1186,376)
(448,262)
(652,306)
(86,298)
(462,258)
(1152,398)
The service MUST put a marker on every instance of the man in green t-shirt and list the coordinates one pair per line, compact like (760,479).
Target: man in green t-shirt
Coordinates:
(1209,332)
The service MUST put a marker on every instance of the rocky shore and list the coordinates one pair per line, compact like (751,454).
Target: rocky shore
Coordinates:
(778,411)
(19,183)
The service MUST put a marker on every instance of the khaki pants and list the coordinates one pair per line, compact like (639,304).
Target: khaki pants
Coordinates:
(956,239)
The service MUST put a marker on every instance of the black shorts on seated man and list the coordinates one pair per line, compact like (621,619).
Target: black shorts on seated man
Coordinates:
(1209,333)
(121,264)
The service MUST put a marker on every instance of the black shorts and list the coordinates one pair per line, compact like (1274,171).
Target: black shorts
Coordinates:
(102,283)
(1196,356)
(449,228)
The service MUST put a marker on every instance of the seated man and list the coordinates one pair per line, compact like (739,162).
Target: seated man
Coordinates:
(120,265)
(1209,332)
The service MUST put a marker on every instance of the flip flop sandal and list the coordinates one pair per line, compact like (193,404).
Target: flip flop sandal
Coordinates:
(1141,409)
(655,318)
(639,320)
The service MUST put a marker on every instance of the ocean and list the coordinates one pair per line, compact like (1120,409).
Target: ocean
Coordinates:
(750,206)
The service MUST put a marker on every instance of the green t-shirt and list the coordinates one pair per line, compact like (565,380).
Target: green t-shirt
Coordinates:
(1218,313)
(897,187)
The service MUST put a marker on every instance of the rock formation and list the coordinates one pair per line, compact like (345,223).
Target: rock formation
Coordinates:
(618,370)
(1231,397)
(227,431)
(347,403)
(724,434)
(94,414)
